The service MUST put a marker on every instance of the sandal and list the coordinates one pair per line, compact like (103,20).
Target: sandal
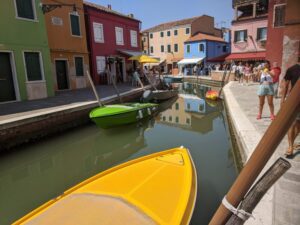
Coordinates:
(289,154)
(258,117)
(272,117)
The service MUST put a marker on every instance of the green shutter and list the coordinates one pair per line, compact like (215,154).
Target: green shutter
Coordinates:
(33,66)
(245,35)
(79,66)
(25,9)
(75,25)
(235,36)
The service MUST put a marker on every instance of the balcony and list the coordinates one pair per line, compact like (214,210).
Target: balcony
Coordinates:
(249,9)
(243,2)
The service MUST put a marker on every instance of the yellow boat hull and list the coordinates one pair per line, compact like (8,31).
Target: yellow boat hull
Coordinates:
(155,189)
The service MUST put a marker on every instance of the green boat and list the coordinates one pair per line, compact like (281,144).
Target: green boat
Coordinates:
(116,115)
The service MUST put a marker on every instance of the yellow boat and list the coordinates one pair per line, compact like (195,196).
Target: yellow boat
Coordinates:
(155,189)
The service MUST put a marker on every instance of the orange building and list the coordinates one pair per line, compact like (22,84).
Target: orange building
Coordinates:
(67,41)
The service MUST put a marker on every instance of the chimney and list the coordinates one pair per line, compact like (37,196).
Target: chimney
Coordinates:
(131,15)
(109,6)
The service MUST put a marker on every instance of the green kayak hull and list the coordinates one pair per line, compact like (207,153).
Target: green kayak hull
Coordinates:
(117,115)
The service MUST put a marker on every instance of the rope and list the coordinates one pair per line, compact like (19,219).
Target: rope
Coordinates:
(242,214)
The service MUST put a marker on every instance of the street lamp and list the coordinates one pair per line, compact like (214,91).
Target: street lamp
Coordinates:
(49,7)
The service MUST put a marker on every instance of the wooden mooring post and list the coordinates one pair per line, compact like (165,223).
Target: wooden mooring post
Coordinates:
(262,153)
(259,190)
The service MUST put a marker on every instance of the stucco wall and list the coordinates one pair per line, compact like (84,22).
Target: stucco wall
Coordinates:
(18,35)
(251,45)
(205,24)
(194,50)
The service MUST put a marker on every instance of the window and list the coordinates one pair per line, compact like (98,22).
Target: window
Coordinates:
(279,14)
(175,47)
(119,36)
(170,118)
(169,48)
(151,36)
(133,38)
(25,9)
(175,32)
(151,49)
(177,119)
(164,118)
(162,34)
(240,36)
(188,49)
(145,39)
(188,121)
(261,33)
(201,107)
(100,62)
(79,66)
(162,48)
(187,30)
(168,33)
(201,47)
(98,32)
(224,48)
(177,106)
(33,66)
(75,27)
(188,106)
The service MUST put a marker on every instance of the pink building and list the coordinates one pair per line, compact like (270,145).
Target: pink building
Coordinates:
(249,30)
(112,38)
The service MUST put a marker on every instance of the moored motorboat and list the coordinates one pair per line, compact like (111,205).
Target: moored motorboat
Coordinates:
(159,95)
(155,189)
(172,79)
(121,114)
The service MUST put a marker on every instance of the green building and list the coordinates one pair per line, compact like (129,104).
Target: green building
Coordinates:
(25,66)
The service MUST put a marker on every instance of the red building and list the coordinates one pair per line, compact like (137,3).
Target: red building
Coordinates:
(276,26)
(112,38)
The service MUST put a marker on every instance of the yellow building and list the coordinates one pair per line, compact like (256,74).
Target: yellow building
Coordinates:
(166,41)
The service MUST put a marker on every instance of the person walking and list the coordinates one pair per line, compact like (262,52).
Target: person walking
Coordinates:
(247,72)
(276,71)
(291,78)
(266,90)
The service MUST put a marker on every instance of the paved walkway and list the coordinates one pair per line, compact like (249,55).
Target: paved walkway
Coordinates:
(62,98)
(281,205)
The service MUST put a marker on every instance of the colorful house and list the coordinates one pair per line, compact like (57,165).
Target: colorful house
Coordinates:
(202,47)
(25,71)
(249,30)
(166,41)
(113,38)
(68,47)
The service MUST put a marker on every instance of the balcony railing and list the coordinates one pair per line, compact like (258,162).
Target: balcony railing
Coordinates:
(243,2)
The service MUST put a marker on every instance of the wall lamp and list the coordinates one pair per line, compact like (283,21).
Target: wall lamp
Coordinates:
(49,7)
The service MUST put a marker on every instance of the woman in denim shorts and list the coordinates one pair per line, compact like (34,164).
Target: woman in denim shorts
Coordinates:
(266,89)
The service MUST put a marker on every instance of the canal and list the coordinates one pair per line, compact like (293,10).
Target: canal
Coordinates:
(35,173)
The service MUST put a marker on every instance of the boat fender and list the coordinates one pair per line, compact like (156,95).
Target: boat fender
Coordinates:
(140,114)
(149,111)
(147,94)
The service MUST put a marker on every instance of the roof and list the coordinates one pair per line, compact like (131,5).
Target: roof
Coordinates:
(201,37)
(168,25)
(108,10)
(246,56)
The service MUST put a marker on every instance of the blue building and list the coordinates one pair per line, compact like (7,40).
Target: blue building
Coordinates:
(200,48)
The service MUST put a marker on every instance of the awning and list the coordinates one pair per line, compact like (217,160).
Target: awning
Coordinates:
(130,53)
(246,56)
(190,61)
(161,61)
(220,58)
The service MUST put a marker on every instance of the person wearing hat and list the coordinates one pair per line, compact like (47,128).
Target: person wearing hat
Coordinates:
(266,89)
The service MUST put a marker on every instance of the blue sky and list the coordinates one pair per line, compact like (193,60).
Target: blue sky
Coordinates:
(154,12)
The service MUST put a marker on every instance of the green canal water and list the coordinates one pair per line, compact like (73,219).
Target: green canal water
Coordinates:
(35,173)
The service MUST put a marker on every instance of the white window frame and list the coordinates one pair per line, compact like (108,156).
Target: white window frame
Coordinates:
(244,35)
(277,5)
(75,14)
(200,48)
(78,56)
(14,75)
(188,47)
(132,33)
(119,42)
(102,71)
(41,66)
(99,25)
(26,19)
(266,33)
(189,31)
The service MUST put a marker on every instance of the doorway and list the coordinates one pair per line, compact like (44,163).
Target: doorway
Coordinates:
(7,86)
(61,74)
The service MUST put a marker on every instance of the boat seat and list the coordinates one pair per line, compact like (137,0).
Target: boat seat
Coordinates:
(98,209)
